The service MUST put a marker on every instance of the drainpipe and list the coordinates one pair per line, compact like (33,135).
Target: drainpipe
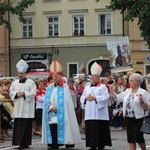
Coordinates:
(5,45)
(5,49)
(9,57)
(123,24)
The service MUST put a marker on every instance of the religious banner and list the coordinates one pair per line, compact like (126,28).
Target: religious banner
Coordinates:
(82,69)
(119,52)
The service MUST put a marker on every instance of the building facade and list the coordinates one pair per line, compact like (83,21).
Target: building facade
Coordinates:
(4,48)
(72,31)
(140,52)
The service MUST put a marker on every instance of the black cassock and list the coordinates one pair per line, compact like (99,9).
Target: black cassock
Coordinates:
(22,134)
(97,133)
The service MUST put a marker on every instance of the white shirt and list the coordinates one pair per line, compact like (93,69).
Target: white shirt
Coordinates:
(40,101)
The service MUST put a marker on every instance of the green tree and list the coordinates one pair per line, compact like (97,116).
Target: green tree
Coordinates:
(7,7)
(135,9)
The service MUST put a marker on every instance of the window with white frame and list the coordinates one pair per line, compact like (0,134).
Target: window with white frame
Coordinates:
(72,68)
(53,25)
(105,23)
(78,25)
(27,27)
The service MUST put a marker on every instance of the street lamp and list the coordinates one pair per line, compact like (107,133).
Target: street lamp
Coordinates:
(54,52)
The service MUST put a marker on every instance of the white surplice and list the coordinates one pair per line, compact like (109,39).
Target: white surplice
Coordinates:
(98,109)
(23,108)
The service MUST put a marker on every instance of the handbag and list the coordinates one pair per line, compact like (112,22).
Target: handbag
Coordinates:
(145,128)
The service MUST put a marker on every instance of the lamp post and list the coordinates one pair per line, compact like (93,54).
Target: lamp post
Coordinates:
(53,54)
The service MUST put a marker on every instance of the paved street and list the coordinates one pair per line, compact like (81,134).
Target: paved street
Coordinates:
(118,141)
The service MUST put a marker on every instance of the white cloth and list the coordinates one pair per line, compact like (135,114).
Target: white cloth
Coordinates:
(74,98)
(40,101)
(23,108)
(93,110)
(72,133)
(53,102)
(137,107)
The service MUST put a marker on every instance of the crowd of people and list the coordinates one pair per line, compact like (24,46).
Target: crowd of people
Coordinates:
(57,108)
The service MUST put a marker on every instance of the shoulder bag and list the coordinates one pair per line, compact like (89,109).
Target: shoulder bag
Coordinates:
(145,128)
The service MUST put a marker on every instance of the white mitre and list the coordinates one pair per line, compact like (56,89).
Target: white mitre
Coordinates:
(96,69)
(22,66)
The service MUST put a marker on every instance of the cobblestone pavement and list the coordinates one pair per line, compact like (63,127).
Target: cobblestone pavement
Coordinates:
(118,142)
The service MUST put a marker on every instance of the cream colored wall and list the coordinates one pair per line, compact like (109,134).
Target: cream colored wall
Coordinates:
(135,36)
(91,22)
(139,51)
(134,30)
(117,23)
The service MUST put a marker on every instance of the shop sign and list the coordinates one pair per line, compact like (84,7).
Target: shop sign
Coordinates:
(34,56)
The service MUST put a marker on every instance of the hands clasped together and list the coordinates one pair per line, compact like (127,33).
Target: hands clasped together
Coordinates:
(20,94)
(90,97)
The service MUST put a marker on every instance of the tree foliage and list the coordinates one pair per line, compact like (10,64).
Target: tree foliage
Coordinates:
(14,10)
(135,9)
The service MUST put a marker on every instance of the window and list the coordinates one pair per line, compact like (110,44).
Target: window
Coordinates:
(53,26)
(36,65)
(27,27)
(78,25)
(105,26)
(72,68)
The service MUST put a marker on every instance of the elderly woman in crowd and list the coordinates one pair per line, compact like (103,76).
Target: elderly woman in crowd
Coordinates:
(135,107)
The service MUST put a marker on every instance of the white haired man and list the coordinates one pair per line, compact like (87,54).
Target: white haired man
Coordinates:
(94,99)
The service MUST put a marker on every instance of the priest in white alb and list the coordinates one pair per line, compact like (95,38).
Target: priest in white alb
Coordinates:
(94,101)
(59,125)
(22,92)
